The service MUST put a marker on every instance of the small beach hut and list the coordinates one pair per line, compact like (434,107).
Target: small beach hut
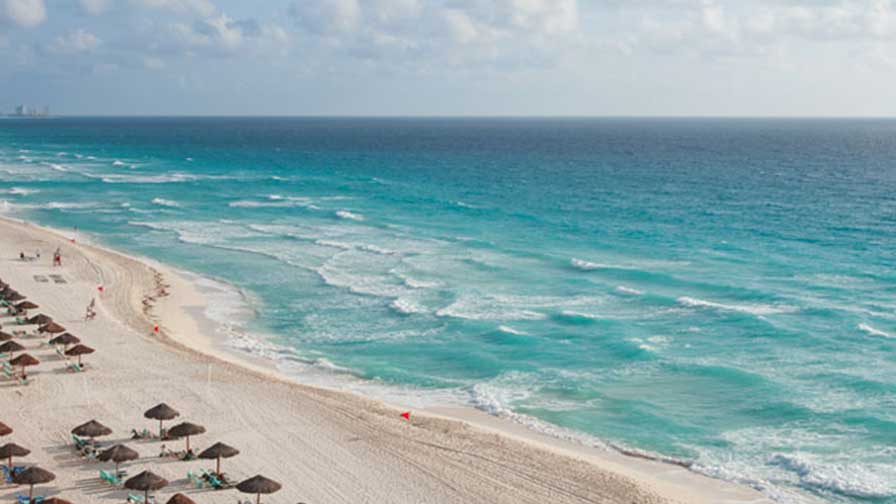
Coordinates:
(10,347)
(40,319)
(185,430)
(5,430)
(161,412)
(91,429)
(10,450)
(65,339)
(51,327)
(146,482)
(78,351)
(24,361)
(118,454)
(180,498)
(218,451)
(258,485)
(33,476)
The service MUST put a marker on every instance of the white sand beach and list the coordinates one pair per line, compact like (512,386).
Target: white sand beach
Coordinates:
(324,446)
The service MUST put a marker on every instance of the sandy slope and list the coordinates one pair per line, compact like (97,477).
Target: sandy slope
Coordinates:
(324,446)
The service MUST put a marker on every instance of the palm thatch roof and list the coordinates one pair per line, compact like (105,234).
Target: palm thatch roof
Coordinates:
(91,429)
(259,485)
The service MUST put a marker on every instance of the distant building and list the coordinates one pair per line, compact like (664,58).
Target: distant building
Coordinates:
(27,111)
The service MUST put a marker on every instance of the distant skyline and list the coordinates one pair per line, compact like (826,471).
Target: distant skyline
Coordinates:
(450,57)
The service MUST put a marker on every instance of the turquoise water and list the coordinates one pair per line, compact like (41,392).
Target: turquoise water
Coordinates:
(715,291)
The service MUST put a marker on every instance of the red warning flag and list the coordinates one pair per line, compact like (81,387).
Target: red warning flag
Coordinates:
(99,288)
(406,415)
(156,328)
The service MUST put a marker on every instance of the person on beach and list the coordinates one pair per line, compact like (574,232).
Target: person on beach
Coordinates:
(57,257)
(22,256)
(91,313)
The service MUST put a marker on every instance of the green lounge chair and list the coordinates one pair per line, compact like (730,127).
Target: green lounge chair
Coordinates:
(196,480)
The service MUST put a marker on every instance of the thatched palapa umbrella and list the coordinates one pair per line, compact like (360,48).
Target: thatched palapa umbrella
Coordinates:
(219,451)
(40,319)
(145,482)
(5,336)
(5,430)
(161,412)
(91,429)
(51,327)
(258,485)
(79,350)
(118,454)
(33,476)
(186,430)
(56,500)
(10,450)
(24,306)
(65,339)
(14,297)
(10,347)
(180,498)
(24,360)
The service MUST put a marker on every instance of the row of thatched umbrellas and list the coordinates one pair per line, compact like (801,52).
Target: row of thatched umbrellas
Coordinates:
(145,482)
(47,325)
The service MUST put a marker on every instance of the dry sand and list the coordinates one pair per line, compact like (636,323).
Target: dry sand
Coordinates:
(324,446)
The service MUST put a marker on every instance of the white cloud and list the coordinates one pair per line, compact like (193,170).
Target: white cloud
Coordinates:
(203,8)
(26,13)
(77,41)
(95,6)
(326,16)
(153,63)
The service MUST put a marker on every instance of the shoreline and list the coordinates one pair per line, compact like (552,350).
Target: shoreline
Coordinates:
(181,317)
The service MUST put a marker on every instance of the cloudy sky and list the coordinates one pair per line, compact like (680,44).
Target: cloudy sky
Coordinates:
(450,57)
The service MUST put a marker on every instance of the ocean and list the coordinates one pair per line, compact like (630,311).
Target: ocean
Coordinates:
(720,292)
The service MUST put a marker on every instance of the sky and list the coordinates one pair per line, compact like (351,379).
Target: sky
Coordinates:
(450,57)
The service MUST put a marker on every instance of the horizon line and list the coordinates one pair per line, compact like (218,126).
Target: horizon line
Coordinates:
(436,116)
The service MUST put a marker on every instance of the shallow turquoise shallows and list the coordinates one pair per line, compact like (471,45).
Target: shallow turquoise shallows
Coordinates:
(721,292)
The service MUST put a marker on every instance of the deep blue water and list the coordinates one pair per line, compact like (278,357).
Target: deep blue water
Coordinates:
(717,291)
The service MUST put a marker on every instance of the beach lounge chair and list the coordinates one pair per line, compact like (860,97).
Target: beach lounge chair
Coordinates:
(8,476)
(75,367)
(110,478)
(144,434)
(196,480)
(213,480)
(138,499)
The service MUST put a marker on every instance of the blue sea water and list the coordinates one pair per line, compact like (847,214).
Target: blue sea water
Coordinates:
(721,292)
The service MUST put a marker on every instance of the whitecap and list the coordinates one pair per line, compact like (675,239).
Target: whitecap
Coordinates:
(117,163)
(874,331)
(406,307)
(628,290)
(21,191)
(345,214)
(509,330)
(419,284)
(753,309)
(165,202)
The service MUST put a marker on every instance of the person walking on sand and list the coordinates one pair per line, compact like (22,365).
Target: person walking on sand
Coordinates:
(57,257)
